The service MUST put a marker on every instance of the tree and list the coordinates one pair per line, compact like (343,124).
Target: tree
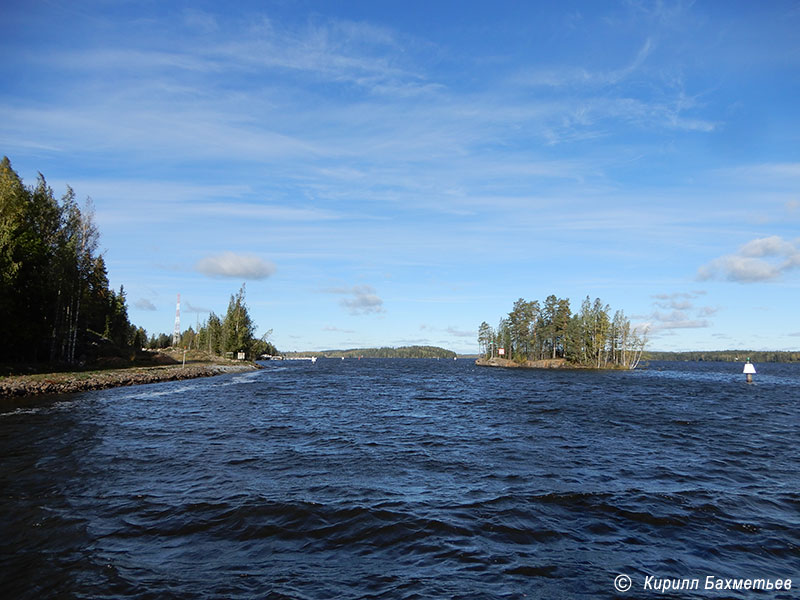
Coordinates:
(238,328)
(263,346)
(600,326)
(139,338)
(214,334)
(188,339)
(560,326)
(521,322)
(53,285)
(485,338)
(117,324)
(548,325)
(503,337)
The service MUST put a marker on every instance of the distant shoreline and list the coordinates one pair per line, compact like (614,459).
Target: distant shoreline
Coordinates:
(23,386)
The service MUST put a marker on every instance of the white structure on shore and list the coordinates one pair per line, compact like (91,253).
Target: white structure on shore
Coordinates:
(176,334)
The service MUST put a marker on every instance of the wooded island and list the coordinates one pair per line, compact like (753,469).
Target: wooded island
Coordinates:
(534,332)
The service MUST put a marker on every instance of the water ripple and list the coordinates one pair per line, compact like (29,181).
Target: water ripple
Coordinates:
(402,479)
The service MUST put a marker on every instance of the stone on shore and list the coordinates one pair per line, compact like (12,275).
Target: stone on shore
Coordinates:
(550,363)
(67,383)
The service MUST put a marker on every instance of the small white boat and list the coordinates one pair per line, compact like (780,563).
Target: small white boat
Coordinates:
(313,359)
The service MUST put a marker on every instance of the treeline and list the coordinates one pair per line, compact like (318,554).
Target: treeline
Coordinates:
(226,336)
(386,352)
(55,300)
(548,330)
(727,356)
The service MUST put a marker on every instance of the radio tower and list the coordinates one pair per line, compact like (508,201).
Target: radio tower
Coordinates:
(176,335)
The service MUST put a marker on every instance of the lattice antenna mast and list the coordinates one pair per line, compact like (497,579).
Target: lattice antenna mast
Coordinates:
(176,335)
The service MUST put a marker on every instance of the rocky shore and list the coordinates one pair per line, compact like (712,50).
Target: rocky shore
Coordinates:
(550,363)
(82,381)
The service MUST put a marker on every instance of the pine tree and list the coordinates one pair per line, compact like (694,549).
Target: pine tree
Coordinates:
(238,327)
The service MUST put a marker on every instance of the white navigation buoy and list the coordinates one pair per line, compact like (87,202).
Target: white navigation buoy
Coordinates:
(749,371)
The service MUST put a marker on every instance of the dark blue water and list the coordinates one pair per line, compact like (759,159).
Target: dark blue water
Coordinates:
(404,479)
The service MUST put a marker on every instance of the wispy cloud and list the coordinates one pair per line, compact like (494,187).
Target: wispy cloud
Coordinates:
(200,20)
(679,311)
(359,299)
(765,171)
(237,266)
(461,332)
(189,307)
(333,328)
(675,320)
(761,259)
(578,76)
(343,148)
(144,304)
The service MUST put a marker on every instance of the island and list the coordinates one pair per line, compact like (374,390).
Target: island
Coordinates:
(549,335)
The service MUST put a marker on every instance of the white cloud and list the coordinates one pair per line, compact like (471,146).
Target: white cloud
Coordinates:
(238,266)
(769,246)
(761,259)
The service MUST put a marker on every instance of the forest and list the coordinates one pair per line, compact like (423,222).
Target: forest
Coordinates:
(55,299)
(549,330)
(756,356)
(384,352)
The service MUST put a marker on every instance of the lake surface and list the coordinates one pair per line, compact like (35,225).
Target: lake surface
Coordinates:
(404,479)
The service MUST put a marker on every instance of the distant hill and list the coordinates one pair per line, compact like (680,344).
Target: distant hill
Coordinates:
(401,352)
(726,356)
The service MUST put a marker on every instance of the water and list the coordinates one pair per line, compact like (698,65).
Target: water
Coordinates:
(404,479)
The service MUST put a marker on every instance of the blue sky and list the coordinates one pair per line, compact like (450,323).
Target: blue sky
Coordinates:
(395,173)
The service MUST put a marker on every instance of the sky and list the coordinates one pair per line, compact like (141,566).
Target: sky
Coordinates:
(395,173)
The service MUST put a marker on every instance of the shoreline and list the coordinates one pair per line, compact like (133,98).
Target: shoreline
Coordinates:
(27,386)
(548,363)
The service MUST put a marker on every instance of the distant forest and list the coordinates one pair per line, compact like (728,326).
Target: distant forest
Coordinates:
(401,352)
(727,356)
